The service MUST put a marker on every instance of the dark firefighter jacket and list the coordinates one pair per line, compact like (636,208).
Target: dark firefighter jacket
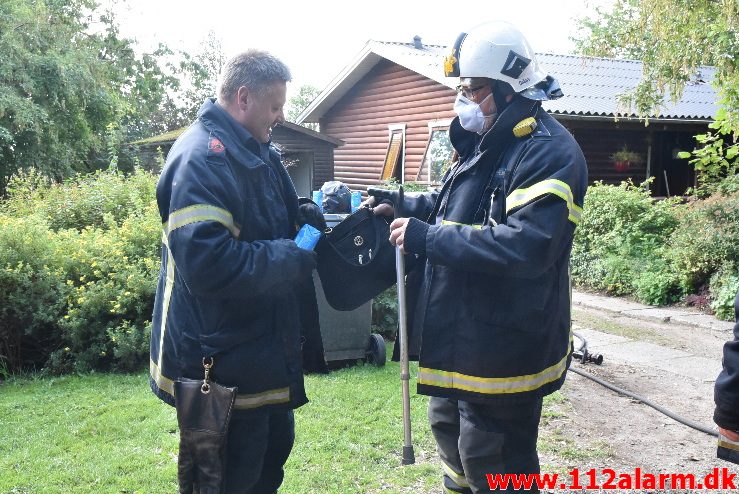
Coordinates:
(494,302)
(227,285)
(726,392)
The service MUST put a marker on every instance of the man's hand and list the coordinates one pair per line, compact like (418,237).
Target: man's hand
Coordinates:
(311,214)
(381,200)
(734,436)
(397,232)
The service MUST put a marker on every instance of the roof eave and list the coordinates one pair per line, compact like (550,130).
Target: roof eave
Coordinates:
(630,118)
(338,87)
(312,133)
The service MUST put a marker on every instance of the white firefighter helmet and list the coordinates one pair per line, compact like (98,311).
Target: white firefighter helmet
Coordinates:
(496,50)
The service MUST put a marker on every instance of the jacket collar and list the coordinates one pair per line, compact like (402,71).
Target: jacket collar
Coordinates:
(235,137)
(466,142)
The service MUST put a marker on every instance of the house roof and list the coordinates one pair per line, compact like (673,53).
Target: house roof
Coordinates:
(591,85)
(171,136)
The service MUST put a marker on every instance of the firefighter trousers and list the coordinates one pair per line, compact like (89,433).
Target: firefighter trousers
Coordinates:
(257,449)
(474,440)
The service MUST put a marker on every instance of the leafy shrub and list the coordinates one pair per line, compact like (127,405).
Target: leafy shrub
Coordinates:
(656,283)
(729,185)
(78,273)
(707,239)
(659,251)
(85,200)
(32,291)
(621,229)
(724,286)
(112,278)
(385,313)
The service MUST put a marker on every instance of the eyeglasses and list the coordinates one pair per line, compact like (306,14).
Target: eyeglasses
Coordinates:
(469,92)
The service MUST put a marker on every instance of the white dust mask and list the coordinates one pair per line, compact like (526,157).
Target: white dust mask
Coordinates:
(470,114)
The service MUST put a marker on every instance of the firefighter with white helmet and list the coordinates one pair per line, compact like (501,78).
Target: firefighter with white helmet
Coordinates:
(493,306)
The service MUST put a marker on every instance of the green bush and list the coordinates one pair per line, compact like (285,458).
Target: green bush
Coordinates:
(78,273)
(385,313)
(657,283)
(112,275)
(622,233)
(623,217)
(32,291)
(81,201)
(707,239)
(724,286)
(659,251)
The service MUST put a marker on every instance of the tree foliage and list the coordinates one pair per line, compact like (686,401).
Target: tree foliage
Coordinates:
(675,40)
(201,71)
(299,102)
(72,88)
(54,92)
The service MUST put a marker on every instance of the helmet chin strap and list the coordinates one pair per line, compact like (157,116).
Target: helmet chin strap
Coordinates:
(501,91)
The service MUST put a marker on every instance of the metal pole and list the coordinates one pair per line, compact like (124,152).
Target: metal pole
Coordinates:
(667,183)
(408,455)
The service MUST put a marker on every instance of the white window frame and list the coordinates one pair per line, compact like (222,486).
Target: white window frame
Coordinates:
(432,125)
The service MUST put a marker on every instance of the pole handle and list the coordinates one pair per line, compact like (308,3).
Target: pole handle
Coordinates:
(398,208)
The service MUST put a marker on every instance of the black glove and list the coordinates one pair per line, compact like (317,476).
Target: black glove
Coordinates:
(383,196)
(311,214)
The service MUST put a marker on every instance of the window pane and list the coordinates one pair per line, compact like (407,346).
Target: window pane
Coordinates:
(438,155)
(392,158)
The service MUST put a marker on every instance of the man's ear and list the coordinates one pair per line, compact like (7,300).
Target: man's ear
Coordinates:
(243,98)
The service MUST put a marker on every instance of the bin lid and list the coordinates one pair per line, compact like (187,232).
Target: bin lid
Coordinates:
(333,219)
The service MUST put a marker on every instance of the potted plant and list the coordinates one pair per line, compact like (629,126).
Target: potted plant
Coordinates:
(624,158)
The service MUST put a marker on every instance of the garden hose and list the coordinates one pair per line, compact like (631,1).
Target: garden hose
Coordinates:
(582,350)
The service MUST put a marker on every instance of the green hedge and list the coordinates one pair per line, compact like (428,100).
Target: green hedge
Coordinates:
(79,262)
(78,269)
(659,252)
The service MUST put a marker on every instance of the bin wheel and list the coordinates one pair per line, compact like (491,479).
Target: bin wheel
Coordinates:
(376,352)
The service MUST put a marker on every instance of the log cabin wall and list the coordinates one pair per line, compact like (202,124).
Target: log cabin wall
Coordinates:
(388,95)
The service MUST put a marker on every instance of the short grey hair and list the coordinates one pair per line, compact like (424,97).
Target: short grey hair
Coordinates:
(254,69)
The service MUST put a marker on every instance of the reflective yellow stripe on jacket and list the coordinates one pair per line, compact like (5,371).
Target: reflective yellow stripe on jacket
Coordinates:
(491,385)
(447,222)
(180,218)
(198,213)
(520,197)
(242,401)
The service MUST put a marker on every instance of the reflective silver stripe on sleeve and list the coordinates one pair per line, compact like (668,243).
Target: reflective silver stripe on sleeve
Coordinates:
(520,197)
(198,213)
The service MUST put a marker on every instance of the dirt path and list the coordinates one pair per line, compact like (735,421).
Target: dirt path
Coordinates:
(619,432)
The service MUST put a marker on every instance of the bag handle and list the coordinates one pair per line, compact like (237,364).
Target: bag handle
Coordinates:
(379,233)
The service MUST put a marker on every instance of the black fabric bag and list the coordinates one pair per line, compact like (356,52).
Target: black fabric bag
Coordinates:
(356,260)
(203,415)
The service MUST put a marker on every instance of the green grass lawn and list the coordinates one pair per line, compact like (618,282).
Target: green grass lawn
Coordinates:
(108,434)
